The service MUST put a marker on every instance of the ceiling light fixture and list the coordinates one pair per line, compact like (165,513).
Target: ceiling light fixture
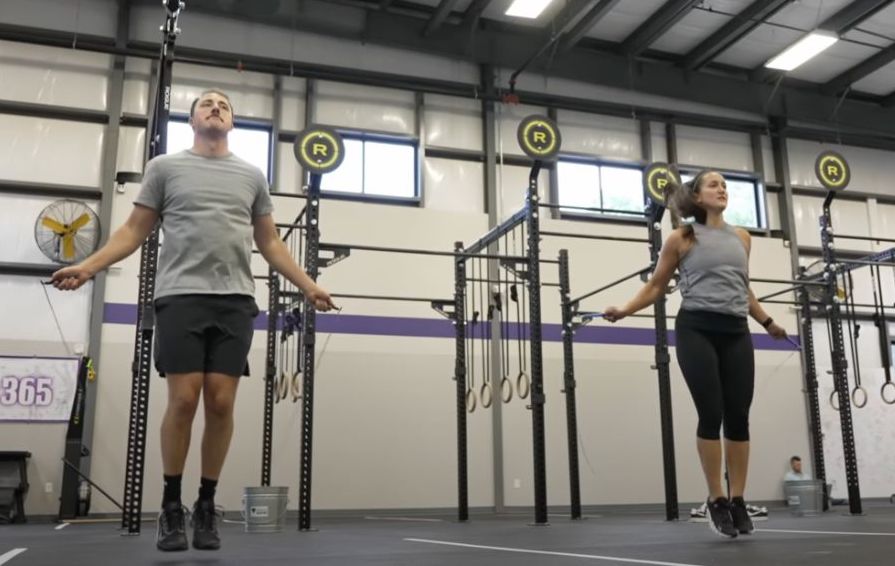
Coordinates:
(527,8)
(801,51)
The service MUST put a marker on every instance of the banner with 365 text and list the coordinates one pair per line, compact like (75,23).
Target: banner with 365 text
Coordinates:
(37,389)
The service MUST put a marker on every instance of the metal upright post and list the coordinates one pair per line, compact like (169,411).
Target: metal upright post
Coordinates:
(840,363)
(270,374)
(538,398)
(142,363)
(654,215)
(309,337)
(460,379)
(811,388)
(569,384)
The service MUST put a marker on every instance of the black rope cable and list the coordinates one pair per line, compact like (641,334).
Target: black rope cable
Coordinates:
(486,396)
(523,382)
(879,315)
(470,392)
(517,294)
(834,395)
(854,330)
(506,384)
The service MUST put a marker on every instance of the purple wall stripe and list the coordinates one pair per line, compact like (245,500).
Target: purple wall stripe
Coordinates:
(122,313)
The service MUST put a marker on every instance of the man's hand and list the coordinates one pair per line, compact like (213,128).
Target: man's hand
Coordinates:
(71,277)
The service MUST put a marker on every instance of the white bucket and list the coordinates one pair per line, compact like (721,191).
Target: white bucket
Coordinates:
(805,497)
(264,509)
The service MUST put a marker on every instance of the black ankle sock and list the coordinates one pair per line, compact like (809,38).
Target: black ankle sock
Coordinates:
(207,489)
(172,488)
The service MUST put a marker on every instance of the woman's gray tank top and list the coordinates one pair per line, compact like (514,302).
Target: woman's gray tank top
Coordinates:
(714,272)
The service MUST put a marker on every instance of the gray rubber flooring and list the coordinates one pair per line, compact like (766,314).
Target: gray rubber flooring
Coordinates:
(619,537)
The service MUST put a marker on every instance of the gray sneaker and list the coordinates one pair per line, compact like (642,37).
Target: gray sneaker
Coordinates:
(205,526)
(171,534)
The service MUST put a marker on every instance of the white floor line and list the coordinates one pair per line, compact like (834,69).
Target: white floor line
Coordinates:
(4,558)
(408,519)
(62,526)
(849,533)
(548,553)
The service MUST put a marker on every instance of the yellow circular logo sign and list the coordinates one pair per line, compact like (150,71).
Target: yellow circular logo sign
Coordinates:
(539,137)
(832,171)
(320,150)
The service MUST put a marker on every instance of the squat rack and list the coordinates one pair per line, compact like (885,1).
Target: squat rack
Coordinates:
(142,362)
(573,318)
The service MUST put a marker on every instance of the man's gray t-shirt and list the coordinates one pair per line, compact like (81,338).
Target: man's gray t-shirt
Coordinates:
(207,205)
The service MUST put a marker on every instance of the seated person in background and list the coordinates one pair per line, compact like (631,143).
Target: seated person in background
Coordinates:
(795,471)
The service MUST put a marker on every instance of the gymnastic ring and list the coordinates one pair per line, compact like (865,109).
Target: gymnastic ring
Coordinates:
(854,396)
(470,401)
(506,389)
(882,392)
(295,387)
(282,387)
(486,399)
(523,385)
(835,404)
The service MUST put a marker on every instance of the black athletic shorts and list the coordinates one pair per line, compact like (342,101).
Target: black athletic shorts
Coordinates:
(207,333)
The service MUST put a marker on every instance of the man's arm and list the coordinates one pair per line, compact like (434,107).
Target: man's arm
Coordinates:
(122,243)
(277,255)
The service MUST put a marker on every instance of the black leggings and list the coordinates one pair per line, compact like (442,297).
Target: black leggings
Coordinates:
(719,369)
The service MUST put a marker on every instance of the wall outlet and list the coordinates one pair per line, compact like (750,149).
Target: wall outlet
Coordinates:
(48,487)
(517,483)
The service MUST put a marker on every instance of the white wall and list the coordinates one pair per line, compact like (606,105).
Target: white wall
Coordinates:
(384,406)
(872,170)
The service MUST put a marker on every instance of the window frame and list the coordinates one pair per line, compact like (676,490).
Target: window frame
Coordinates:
(243,124)
(633,217)
(364,136)
(759,192)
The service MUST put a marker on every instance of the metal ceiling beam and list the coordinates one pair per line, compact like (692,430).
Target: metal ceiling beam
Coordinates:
(656,25)
(853,15)
(859,71)
(839,23)
(563,22)
(441,13)
(503,49)
(584,25)
(475,11)
(731,32)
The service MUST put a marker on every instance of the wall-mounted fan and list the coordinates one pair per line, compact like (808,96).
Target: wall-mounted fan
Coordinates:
(67,231)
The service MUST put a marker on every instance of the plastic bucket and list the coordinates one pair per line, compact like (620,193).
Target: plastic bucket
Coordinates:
(264,509)
(805,497)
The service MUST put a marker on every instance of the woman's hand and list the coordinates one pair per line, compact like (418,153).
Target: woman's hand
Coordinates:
(613,314)
(776,331)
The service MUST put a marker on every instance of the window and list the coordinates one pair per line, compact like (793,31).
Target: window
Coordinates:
(743,201)
(591,185)
(374,167)
(249,142)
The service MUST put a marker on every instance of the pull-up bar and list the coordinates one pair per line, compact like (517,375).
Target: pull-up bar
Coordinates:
(592,209)
(594,237)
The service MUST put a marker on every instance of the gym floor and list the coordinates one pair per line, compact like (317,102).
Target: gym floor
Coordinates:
(618,536)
